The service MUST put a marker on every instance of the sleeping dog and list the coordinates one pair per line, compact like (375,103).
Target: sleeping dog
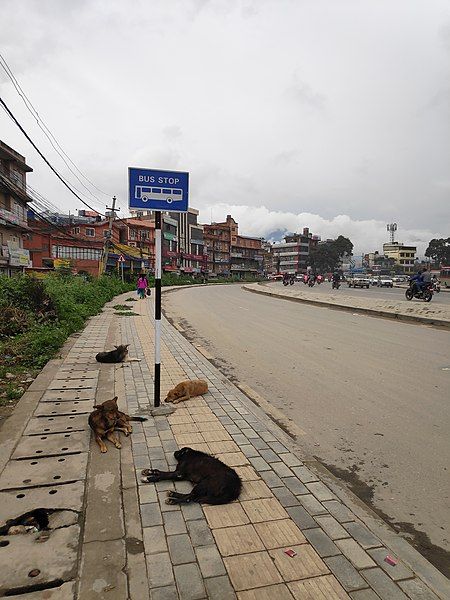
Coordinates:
(214,482)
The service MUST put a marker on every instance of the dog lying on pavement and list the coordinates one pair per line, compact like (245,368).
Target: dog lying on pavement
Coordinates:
(187,389)
(107,418)
(118,355)
(214,481)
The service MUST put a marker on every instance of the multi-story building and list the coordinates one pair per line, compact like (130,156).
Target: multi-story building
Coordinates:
(231,253)
(192,258)
(217,238)
(292,255)
(246,256)
(404,256)
(14,257)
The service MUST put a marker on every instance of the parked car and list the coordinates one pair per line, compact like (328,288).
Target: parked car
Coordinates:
(385,281)
(358,281)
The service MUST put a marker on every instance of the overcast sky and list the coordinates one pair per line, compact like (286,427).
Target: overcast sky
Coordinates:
(332,114)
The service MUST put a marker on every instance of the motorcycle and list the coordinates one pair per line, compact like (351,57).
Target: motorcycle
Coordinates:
(289,280)
(436,287)
(311,282)
(335,285)
(425,293)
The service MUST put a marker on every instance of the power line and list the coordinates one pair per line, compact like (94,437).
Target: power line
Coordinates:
(13,118)
(44,128)
(63,181)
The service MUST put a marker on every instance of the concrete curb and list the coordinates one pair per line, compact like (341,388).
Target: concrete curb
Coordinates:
(368,311)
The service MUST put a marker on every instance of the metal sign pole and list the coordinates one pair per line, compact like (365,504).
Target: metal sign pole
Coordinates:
(157,379)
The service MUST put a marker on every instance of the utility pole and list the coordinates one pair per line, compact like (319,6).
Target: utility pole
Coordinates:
(107,243)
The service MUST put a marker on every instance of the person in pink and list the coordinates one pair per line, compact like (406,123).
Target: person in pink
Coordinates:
(142,285)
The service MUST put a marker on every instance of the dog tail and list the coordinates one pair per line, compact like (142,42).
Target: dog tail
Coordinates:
(138,419)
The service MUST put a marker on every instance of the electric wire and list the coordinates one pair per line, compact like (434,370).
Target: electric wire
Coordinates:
(45,129)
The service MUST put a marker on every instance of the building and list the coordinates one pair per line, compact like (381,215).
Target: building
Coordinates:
(404,256)
(292,255)
(190,244)
(230,253)
(14,257)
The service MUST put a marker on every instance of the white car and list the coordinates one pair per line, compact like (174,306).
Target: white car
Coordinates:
(359,281)
(384,281)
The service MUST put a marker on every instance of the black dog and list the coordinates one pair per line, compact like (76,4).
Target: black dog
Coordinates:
(119,354)
(214,482)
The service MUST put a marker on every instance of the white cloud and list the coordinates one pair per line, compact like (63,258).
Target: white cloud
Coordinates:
(366,235)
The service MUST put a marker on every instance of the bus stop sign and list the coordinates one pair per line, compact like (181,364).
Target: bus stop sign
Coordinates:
(149,189)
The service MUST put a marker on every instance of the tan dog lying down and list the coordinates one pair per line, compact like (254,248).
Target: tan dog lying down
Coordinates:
(187,389)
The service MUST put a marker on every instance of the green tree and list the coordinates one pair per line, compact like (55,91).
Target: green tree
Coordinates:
(439,250)
(326,257)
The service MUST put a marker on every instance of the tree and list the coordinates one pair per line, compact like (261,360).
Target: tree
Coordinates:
(326,257)
(439,250)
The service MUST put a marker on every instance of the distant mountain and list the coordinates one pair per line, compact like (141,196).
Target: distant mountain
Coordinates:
(277,235)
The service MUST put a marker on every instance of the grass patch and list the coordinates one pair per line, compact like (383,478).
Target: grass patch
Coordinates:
(131,300)
(121,307)
(127,314)
(40,315)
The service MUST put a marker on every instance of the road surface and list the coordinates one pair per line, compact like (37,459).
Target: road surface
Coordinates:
(371,395)
(373,292)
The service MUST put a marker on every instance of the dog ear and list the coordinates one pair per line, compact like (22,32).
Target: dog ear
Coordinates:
(115,399)
(126,346)
(116,347)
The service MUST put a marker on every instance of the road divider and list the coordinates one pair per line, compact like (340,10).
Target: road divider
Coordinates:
(401,310)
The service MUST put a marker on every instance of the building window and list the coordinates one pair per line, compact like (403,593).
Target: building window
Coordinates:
(76,230)
(76,253)
(90,232)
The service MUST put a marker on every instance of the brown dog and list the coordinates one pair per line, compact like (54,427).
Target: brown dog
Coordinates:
(103,420)
(187,389)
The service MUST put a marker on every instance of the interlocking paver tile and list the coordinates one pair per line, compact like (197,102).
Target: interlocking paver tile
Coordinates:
(276,534)
(159,570)
(301,517)
(312,505)
(325,587)
(265,509)
(285,497)
(362,535)
(346,573)
(233,459)
(174,523)
(417,590)
(280,592)
(189,582)
(187,439)
(200,533)
(397,572)
(307,563)
(247,473)
(154,539)
(217,435)
(180,549)
(219,588)
(320,491)
(305,475)
(210,562)
(356,555)
(254,570)
(237,540)
(224,447)
(225,515)
(331,527)
(339,511)
(185,428)
(252,490)
(383,585)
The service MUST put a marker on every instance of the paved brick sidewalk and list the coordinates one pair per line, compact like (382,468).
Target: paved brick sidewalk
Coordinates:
(114,538)
(194,552)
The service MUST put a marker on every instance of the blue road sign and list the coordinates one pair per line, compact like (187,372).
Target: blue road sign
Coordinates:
(149,189)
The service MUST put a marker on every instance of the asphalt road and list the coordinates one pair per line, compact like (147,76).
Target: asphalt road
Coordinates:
(373,292)
(371,395)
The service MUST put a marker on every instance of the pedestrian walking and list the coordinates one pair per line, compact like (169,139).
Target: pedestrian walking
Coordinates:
(142,285)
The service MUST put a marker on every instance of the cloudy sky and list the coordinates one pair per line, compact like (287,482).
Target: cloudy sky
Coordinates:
(332,114)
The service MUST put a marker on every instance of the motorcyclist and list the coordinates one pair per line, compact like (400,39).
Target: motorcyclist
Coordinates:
(418,281)
(336,277)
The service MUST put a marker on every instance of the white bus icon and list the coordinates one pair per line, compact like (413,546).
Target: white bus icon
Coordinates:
(162,194)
